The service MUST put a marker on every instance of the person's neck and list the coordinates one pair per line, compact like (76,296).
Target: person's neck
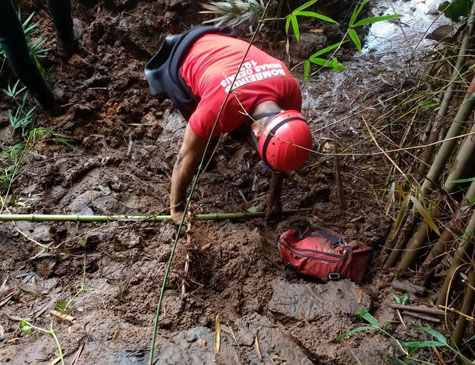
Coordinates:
(268,106)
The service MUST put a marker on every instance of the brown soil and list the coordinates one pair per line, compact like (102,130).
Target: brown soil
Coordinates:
(125,143)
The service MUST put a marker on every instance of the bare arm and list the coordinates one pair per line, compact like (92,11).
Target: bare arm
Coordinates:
(185,167)
(273,202)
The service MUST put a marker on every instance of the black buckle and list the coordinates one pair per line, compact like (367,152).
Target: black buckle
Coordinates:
(334,276)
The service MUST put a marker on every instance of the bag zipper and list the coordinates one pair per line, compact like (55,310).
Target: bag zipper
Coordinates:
(310,250)
(295,251)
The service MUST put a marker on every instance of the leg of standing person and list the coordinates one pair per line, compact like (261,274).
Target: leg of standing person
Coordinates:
(24,67)
(67,30)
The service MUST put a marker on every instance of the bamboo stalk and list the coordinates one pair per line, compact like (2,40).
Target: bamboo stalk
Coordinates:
(467,307)
(130,218)
(438,123)
(449,233)
(463,166)
(463,252)
(449,144)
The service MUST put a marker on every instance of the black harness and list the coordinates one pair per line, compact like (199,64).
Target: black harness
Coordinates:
(163,69)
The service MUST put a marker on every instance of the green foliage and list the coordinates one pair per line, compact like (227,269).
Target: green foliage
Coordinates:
(463,181)
(332,62)
(399,300)
(409,348)
(354,24)
(233,12)
(300,11)
(25,327)
(426,215)
(456,9)
(23,117)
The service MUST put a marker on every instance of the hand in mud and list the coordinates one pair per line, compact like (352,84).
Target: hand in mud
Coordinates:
(273,210)
(177,213)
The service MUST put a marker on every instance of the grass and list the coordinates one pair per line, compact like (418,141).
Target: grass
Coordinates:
(408,349)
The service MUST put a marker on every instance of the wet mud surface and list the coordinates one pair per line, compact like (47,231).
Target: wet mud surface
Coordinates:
(125,144)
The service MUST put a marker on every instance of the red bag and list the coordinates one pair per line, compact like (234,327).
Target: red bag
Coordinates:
(321,253)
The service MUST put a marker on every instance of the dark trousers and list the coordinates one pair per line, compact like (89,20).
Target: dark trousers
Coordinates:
(63,22)
(14,44)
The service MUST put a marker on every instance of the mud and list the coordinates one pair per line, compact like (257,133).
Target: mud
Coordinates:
(125,145)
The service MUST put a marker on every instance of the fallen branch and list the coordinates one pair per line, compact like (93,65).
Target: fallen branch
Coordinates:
(418,309)
(421,316)
(125,218)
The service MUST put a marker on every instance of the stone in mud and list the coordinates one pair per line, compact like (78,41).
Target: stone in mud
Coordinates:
(196,346)
(312,301)
(272,343)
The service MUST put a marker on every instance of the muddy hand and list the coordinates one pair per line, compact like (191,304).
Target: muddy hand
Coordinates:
(177,213)
(273,210)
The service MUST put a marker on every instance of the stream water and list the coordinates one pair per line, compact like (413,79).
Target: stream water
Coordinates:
(334,97)
(406,35)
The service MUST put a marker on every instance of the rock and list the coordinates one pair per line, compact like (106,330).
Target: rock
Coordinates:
(273,343)
(196,346)
(312,301)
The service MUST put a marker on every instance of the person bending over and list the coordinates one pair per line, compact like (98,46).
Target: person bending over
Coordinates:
(196,70)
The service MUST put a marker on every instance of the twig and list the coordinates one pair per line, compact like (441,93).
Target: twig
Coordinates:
(421,316)
(339,185)
(384,152)
(450,309)
(418,309)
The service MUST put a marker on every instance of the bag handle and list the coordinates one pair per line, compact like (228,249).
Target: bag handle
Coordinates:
(305,229)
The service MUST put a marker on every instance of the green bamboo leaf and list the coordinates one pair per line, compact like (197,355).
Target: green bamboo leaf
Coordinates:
(337,66)
(419,344)
(252,209)
(326,49)
(436,334)
(400,216)
(405,299)
(287,25)
(425,215)
(304,6)
(25,327)
(375,19)
(396,297)
(400,191)
(312,14)
(368,317)
(61,306)
(357,12)
(295,27)
(462,181)
(354,37)
(320,61)
(306,70)
(355,330)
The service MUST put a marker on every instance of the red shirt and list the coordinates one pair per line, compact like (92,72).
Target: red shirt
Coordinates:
(209,69)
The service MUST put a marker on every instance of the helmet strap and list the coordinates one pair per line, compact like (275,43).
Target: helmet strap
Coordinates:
(269,115)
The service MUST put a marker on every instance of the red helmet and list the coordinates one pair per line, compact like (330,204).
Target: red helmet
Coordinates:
(285,141)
